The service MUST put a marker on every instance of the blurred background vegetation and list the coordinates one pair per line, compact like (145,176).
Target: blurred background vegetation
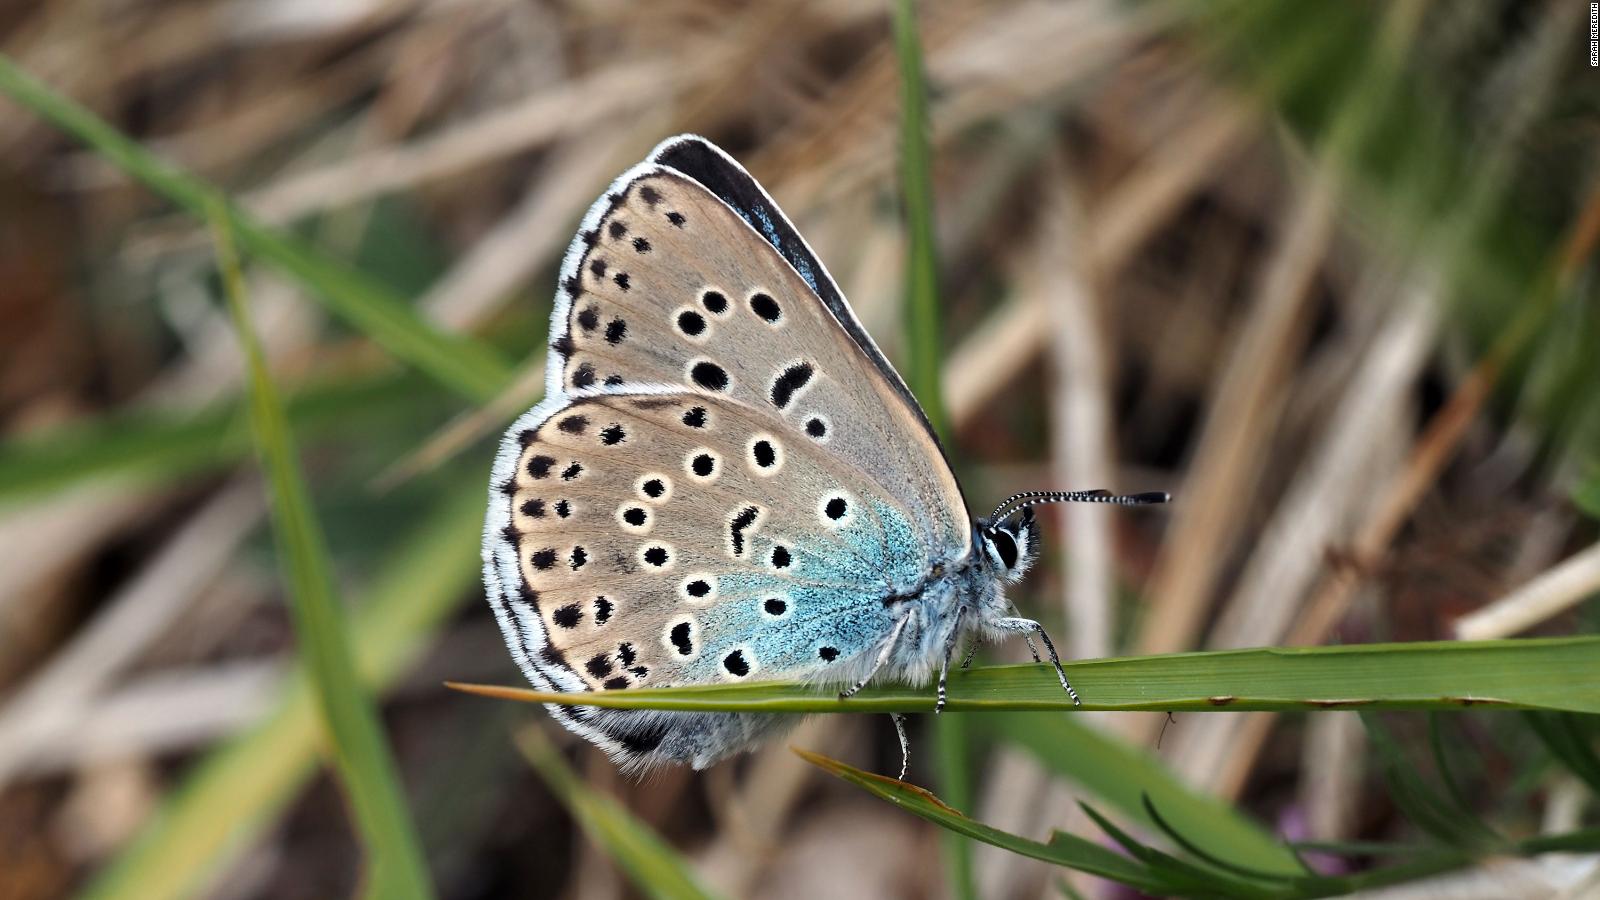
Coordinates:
(1324,271)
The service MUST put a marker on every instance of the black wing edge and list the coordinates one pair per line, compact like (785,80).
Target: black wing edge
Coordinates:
(703,161)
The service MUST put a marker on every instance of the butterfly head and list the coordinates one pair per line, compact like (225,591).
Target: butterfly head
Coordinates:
(1010,536)
(1010,545)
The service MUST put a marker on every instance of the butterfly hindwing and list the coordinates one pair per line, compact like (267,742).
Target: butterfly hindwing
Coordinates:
(684,538)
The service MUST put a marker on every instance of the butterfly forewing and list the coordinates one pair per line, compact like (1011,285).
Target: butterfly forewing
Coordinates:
(673,287)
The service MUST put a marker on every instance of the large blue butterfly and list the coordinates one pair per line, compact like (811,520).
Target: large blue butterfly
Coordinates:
(727,480)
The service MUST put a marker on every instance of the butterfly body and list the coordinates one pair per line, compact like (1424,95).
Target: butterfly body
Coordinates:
(727,480)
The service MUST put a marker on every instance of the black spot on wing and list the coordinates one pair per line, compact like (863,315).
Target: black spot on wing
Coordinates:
(681,639)
(737,525)
(767,308)
(789,381)
(710,376)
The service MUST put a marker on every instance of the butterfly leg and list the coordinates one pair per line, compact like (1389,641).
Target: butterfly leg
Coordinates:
(944,661)
(1029,626)
(1028,637)
(966,661)
(883,656)
(905,745)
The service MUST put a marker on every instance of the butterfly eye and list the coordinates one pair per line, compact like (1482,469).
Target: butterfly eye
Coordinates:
(1005,547)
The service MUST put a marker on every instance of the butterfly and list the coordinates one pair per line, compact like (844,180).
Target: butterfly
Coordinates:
(728,481)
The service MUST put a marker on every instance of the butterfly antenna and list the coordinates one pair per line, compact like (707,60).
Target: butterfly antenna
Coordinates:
(1018,502)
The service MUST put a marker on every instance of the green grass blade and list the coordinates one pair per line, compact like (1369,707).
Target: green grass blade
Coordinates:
(1176,877)
(923,346)
(235,791)
(1121,776)
(1565,736)
(1063,850)
(1430,809)
(924,360)
(1189,878)
(361,752)
(655,868)
(454,360)
(152,446)
(1537,673)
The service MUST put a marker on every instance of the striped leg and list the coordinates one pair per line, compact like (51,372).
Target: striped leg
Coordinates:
(905,745)
(944,661)
(1029,626)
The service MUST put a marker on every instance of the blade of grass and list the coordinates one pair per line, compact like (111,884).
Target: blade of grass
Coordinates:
(1563,734)
(1176,877)
(360,750)
(1121,776)
(1191,878)
(923,362)
(151,446)
(236,790)
(1537,673)
(1433,811)
(456,361)
(923,345)
(1063,850)
(654,867)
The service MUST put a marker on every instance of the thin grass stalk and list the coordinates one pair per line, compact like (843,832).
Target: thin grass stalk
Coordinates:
(456,361)
(361,753)
(923,359)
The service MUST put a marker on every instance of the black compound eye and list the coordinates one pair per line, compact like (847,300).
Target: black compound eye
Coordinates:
(1006,546)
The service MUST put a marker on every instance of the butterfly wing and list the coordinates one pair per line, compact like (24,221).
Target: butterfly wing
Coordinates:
(670,284)
(726,480)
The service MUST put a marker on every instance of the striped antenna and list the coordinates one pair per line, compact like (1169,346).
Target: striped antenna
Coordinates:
(1018,502)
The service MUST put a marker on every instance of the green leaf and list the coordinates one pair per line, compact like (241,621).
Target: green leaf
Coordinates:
(656,870)
(361,752)
(230,797)
(1536,673)
(1063,849)
(1433,811)
(1161,874)
(454,360)
(1571,740)
(149,446)
(1123,777)
(1190,878)
(1587,495)
(924,353)
(924,360)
